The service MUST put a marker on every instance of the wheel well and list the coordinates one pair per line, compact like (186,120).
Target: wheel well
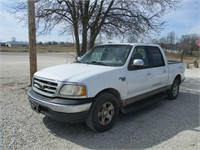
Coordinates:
(179,78)
(114,92)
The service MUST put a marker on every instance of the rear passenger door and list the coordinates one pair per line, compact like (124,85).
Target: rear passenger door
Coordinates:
(158,67)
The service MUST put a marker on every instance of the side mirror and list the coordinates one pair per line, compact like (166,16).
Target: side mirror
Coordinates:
(78,58)
(138,63)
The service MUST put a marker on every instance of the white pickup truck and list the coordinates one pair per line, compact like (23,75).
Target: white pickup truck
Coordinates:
(104,81)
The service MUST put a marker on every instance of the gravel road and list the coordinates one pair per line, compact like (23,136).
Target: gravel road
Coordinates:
(163,125)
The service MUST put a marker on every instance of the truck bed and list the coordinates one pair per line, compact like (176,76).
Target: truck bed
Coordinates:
(173,62)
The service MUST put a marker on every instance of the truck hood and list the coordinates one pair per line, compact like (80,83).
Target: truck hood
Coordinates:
(72,72)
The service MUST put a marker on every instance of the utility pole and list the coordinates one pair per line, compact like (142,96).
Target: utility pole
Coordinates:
(32,38)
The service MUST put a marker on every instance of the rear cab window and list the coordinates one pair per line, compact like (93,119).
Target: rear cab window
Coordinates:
(155,56)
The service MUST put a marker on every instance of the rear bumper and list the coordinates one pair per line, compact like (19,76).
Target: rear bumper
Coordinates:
(65,110)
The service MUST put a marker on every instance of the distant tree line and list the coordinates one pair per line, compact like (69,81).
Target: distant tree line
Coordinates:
(185,45)
(56,43)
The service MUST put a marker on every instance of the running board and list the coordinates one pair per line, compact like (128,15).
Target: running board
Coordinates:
(141,104)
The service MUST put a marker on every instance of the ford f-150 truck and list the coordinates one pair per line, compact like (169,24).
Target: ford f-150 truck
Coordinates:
(104,81)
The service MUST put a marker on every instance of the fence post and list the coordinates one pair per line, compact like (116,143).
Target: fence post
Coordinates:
(32,38)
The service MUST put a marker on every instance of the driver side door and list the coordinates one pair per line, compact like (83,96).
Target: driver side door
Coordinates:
(139,78)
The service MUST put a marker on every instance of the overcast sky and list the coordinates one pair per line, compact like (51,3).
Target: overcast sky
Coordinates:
(185,20)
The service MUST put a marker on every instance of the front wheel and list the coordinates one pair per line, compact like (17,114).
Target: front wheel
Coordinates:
(103,113)
(174,91)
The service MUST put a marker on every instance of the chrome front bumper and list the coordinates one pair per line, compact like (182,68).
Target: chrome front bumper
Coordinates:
(57,107)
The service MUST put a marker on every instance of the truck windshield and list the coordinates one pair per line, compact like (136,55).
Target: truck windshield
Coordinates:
(107,55)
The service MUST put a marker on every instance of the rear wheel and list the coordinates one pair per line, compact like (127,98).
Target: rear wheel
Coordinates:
(103,113)
(174,91)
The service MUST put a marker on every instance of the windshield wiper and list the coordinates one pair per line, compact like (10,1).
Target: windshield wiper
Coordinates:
(97,63)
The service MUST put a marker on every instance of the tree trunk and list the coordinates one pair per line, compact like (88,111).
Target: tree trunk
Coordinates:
(84,42)
(84,35)
(182,55)
(92,39)
(85,18)
(77,40)
(91,44)
(93,35)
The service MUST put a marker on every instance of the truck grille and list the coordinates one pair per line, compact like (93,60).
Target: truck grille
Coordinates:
(44,87)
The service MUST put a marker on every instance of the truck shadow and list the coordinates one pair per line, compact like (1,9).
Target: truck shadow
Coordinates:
(139,130)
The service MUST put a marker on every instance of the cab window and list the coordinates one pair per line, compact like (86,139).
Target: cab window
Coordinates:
(155,56)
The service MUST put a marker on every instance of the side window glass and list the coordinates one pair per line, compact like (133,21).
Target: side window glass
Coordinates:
(139,53)
(155,56)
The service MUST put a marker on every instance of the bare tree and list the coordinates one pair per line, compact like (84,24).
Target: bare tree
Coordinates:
(127,18)
(171,40)
(188,44)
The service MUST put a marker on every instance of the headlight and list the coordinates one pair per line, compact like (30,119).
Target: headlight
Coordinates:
(73,90)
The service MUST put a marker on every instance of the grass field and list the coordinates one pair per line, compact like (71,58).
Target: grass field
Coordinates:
(58,48)
(45,48)
(186,59)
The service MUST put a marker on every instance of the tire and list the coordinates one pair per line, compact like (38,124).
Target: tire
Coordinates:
(174,91)
(103,113)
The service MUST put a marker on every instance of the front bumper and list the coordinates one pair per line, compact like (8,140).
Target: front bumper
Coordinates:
(66,110)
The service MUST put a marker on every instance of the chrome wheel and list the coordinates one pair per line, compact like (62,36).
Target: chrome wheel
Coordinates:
(103,112)
(173,92)
(106,113)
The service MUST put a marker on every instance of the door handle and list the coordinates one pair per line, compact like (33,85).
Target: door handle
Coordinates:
(122,78)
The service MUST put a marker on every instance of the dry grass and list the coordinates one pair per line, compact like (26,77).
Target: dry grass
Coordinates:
(58,48)
(186,59)
(45,48)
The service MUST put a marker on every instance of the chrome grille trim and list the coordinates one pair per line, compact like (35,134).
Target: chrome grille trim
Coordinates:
(45,87)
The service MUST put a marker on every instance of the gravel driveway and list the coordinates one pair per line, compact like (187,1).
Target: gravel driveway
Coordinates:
(163,125)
